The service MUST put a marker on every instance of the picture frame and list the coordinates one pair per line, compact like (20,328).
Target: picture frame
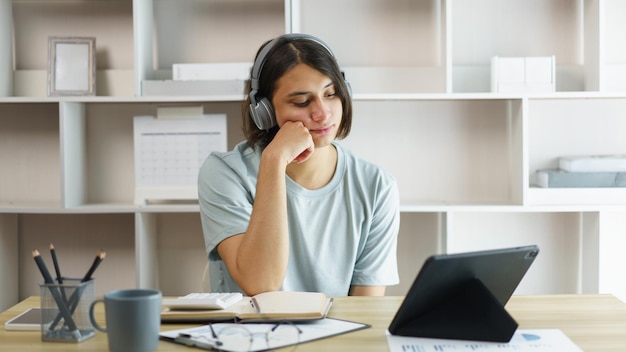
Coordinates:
(71,66)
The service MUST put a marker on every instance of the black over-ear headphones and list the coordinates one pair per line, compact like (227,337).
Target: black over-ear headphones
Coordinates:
(261,109)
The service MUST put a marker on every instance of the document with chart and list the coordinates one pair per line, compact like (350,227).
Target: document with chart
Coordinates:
(543,340)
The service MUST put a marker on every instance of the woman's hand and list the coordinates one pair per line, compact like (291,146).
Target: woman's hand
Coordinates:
(293,141)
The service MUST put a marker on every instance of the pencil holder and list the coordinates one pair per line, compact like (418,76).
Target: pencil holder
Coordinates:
(65,311)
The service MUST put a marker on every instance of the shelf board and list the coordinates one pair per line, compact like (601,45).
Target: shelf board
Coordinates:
(580,197)
(355,97)
(101,208)
(117,208)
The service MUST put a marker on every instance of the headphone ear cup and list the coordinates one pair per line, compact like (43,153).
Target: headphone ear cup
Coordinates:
(349,86)
(263,114)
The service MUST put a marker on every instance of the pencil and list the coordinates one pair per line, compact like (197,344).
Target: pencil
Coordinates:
(61,304)
(55,261)
(57,270)
(97,260)
(47,278)
(75,297)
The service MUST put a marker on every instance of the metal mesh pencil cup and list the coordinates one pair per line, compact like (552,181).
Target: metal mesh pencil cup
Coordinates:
(65,311)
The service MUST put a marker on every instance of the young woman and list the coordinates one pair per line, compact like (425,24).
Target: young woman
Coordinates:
(289,208)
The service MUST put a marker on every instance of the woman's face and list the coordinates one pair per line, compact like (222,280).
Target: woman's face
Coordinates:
(307,95)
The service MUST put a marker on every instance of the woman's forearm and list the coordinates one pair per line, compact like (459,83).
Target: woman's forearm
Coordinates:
(263,252)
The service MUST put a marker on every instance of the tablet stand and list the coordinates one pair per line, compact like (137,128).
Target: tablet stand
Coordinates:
(470,313)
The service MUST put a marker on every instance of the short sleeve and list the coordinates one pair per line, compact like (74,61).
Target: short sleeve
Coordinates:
(377,263)
(225,197)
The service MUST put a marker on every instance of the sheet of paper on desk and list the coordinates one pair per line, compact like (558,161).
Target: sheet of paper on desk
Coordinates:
(545,340)
(312,330)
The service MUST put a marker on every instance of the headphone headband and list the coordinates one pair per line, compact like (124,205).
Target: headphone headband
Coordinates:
(260,60)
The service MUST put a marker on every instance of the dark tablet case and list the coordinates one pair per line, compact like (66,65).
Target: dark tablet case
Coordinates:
(462,296)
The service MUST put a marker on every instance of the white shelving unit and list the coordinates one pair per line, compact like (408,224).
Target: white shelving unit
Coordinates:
(464,158)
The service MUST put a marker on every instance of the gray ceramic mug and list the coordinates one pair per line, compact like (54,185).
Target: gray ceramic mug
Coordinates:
(133,319)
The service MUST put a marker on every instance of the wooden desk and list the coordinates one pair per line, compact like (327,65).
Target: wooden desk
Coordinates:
(596,323)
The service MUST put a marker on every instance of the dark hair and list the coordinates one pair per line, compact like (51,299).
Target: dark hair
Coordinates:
(285,54)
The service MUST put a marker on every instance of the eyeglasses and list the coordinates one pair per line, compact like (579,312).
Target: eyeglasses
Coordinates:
(242,338)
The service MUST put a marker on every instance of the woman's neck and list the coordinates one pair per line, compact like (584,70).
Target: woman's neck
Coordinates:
(317,171)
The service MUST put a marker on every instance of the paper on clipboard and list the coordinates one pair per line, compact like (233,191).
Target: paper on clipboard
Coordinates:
(312,330)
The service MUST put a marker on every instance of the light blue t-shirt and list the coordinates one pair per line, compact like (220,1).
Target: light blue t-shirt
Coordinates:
(342,234)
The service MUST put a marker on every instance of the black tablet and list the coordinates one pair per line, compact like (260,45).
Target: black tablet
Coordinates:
(462,296)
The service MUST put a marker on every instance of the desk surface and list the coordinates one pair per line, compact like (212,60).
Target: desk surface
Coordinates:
(594,322)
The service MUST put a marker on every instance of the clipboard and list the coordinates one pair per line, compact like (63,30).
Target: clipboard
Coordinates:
(311,331)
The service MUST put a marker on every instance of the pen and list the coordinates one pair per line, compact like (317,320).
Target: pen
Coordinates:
(188,340)
(255,305)
(63,308)
(330,303)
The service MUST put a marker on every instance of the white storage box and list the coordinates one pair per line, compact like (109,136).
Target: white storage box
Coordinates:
(235,71)
(523,74)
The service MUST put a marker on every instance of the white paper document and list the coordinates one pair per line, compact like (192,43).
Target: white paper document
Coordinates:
(544,340)
(201,337)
